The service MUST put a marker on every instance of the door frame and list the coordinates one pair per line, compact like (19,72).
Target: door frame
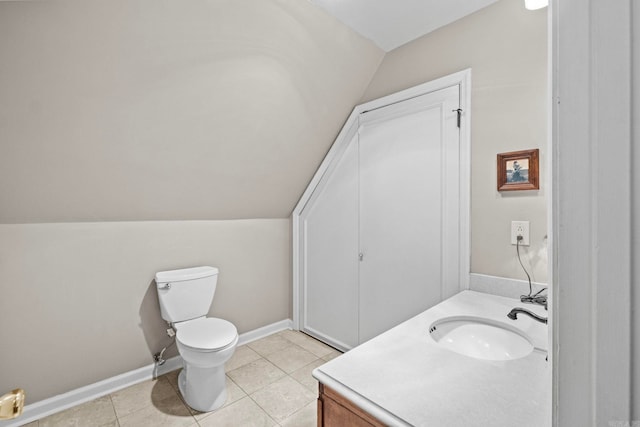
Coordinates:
(461,79)
(595,372)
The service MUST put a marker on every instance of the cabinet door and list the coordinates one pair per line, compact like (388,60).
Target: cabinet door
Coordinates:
(330,233)
(409,156)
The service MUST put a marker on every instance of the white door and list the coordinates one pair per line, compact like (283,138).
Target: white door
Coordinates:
(380,232)
(409,195)
(330,233)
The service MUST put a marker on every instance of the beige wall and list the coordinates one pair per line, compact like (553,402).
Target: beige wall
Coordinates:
(506,47)
(168,110)
(79,304)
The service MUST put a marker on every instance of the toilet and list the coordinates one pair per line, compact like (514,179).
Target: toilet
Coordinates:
(205,343)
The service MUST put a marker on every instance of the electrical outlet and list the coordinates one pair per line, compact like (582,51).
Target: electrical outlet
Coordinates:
(520,228)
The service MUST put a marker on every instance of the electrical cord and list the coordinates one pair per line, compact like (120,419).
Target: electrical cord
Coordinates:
(531,297)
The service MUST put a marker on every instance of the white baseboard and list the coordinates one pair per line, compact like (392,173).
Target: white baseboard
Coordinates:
(43,408)
(52,405)
(264,331)
(502,286)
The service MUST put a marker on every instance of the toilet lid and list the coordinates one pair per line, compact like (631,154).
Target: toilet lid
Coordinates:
(206,333)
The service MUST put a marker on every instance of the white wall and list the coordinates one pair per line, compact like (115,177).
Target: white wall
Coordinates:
(506,47)
(79,303)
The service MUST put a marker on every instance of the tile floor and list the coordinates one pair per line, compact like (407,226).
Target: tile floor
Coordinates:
(269,383)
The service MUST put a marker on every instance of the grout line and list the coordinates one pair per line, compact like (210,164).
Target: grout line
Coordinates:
(264,409)
(299,410)
(113,406)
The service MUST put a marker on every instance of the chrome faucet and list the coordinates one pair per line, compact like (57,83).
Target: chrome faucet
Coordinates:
(513,315)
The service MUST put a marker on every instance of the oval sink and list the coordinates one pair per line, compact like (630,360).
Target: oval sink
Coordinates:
(480,338)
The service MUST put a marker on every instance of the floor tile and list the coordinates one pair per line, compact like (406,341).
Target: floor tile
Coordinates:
(304,377)
(234,393)
(172,377)
(290,334)
(259,392)
(310,344)
(31,424)
(332,355)
(305,417)
(283,398)
(255,375)
(245,412)
(98,412)
(141,395)
(294,336)
(270,344)
(168,412)
(243,355)
(291,359)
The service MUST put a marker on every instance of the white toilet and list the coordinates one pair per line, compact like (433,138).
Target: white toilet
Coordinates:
(205,343)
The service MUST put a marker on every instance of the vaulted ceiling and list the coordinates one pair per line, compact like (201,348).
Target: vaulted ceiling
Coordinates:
(167,110)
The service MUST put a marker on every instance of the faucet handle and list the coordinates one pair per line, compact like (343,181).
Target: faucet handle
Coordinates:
(534,299)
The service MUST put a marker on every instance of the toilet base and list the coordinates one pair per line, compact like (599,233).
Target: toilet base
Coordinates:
(203,389)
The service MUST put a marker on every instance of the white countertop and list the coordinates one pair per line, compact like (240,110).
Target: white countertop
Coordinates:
(403,377)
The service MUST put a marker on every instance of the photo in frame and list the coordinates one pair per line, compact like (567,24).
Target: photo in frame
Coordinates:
(518,170)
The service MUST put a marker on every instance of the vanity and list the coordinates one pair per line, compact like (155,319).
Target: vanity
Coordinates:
(425,372)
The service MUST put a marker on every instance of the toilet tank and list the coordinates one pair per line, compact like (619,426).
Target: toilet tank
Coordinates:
(187,293)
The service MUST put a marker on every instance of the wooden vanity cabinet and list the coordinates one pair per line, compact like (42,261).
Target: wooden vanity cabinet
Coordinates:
(334,410)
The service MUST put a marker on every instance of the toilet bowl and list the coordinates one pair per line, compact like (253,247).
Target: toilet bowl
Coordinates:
(204,343)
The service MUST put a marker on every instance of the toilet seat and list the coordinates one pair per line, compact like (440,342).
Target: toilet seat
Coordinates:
(206,334)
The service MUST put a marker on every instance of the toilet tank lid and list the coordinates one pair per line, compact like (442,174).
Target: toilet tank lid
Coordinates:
(185,274)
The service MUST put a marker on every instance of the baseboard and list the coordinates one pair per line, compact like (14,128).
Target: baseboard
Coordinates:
(502,286)
(264,331)
(58,403)
(52,405)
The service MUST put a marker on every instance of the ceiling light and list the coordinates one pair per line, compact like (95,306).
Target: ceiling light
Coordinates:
(535,4)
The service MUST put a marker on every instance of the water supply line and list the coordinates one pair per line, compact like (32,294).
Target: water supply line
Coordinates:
(157,358)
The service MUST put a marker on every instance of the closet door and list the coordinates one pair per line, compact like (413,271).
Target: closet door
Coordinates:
(409,195)
(330,235)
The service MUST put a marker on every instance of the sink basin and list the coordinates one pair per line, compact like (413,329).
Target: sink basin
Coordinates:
(480,338)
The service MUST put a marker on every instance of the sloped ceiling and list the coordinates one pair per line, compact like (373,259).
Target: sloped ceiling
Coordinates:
(169,110)
(392,23)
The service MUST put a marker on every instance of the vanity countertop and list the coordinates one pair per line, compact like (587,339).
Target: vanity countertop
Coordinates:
(403,377)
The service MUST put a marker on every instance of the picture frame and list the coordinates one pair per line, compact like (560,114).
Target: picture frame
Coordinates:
(518,170)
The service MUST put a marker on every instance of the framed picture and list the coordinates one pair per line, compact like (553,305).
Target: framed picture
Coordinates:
(518,170)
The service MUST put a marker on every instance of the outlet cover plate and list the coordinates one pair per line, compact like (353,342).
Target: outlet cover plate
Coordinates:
(522,228)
